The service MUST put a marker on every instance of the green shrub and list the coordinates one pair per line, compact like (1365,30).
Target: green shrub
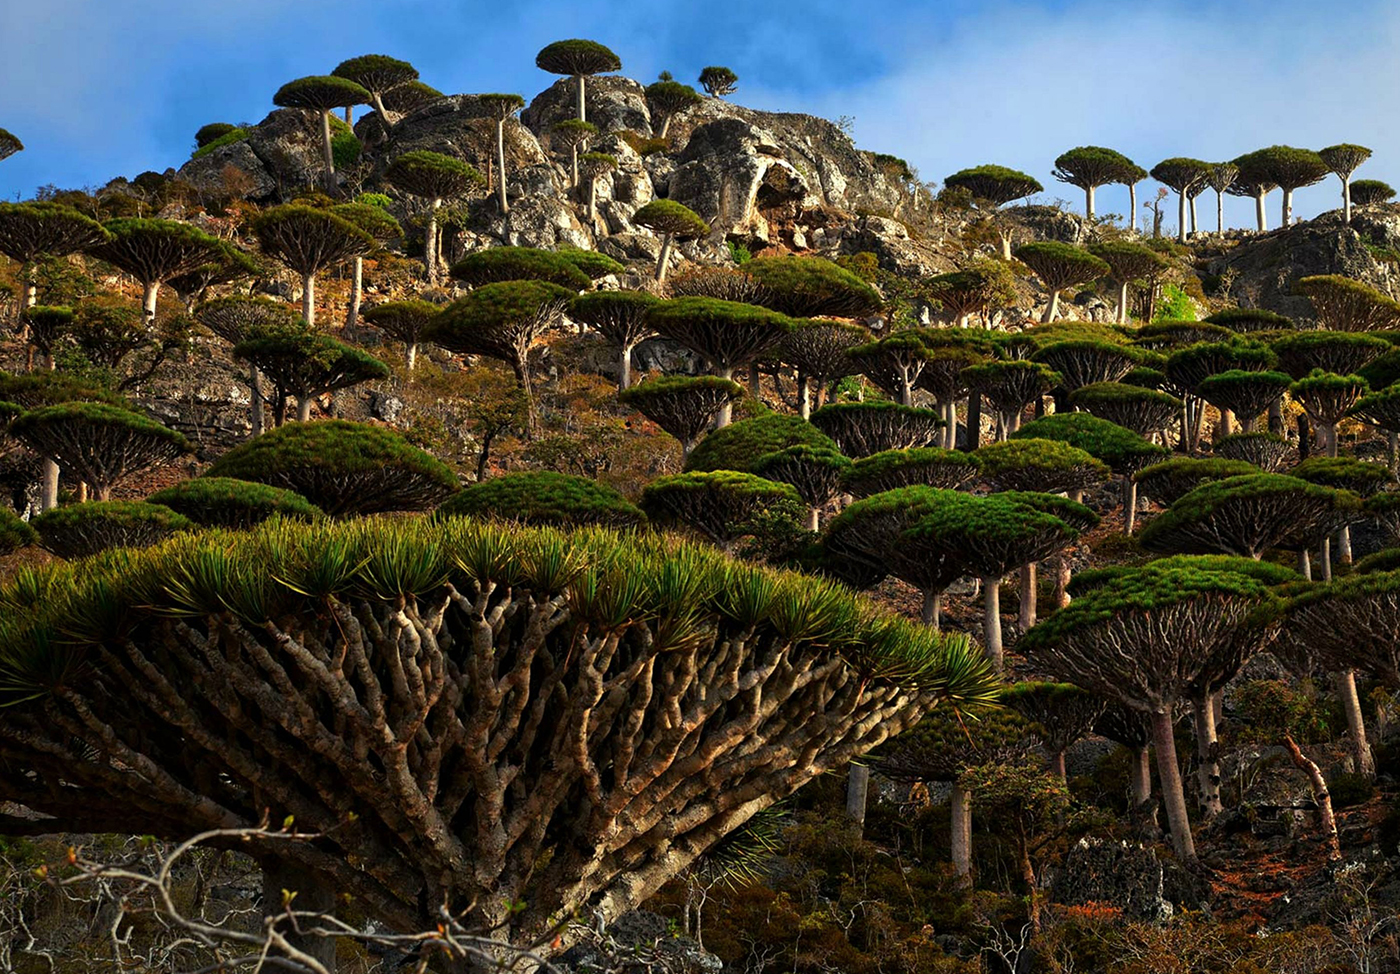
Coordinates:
(591,262)
(1176,305)
(810,287)
(1120,448)
(722,505)
(343,468)
(86,529)
(543,497)
(922,467)
(14,533)
(497,264)
(228,138)
(228,503)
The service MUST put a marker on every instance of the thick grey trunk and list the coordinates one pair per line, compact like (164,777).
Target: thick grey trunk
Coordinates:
(1088,202)
(1123,303)
(665,256)
(1346,198)
(1344,546)
(754,379)
(313,895)
(960,839)
(932,608)
(1326,559)
(1140,775)
(814,519)
(308,299)
(1025,618)
(149,295)
(804,397)
(592,201)
(1220,212)
(857,792)
(991,621)
(1051,308)
(1005,236)
(430,245)
(573,167)
(357,291)
(48,491)
(1173,796)
(1287,207)
(379,107)
(1305,564)
(726,412)
(582,107)
(950,438)
(328,157)
(1063,572)
(1207,755)
(1356,724)
(411,356)
(1227,422)
(501,163)
(255,401)
(624,367)
(1129,505)
(1181,217)
(304,408)
(1259,215)
(1132,208)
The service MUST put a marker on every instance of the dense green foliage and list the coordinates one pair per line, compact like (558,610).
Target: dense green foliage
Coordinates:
(738,445)
(1172,479)
(14,533)
(1040,465)
(496,264)
(1122,449)
(918,467)
(810,287)
(83,530)
(721,505)
(543,497)
(223,502)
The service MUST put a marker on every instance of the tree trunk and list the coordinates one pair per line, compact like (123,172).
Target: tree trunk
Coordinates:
(991,621)
(1331,433)
(1132,208)
(255,400)
(1057,766)
(312,895)
(1062,578)
(522,376)
(1287,207)
(411,356)
(1181,217)
(103,491)
(1220,212)
(1276,417)
(1123,303)
(726,412)
(1025,618)
(932,608)
(308,299)
(960,805)
(582,108)
(1260,217)
(1326,556)
(624,367)
(1129,505)
(1194,230)
(1392,451)
(973,440)
(1305,564)
(1346,198)
(1356,724)
(1140,776)
(950,435)
(814,519)
(1164,743)
(1207,756)
(327,156)
(501,163)
(754,379)
(304,408)
(661,260)
(1344,545)
(857,792)
(48,490)
(378,103)
(1005,236)
(357,290)
(1051,308)
(1088,202)
(804,397)
(150,292)
(1321,796)
(430,249)
(592,201)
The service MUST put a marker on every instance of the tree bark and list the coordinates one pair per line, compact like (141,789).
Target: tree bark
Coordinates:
(1181,216)
(328,157)
(991,621)
(255,400)
(804,397)
(1123,303)
(1356,723)
(960,805)
(1287,207)
(1346,198)
(304,408)
(1260,217)
(1062,579)
(313,894)
(624,367)
(1129,505)
(1051,308)
(1140,776)
(1305,564)
(501,163)
(411,356)
(1321,796)
(1220,212)
(1088,202)
(1173,796)
(814,519)
(973,440)
(48,490)
(1207,756)
(726,412)
(150,291)
(1057,766)
(665,255)
(1025,618)
(430,249)
(932,608)
(1132,208)
(857,793)
(1194,230)
(754,379)
(582,107)
(308,299)
(357,290)
(1344,545)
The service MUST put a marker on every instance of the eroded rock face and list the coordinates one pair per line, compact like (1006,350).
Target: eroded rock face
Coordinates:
(1127,876)
(459,126)
(613,103)
(282,155)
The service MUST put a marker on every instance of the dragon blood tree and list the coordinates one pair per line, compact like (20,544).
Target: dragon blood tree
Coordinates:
(1246,320)
(588,642)
(1131,728)
(718,81)
(9,144)
(811,287)
(501,106)
(683,406)
(29,231)
(1188,367)
(592,167)
(307,239)
(377,74)
(403,321)
(1344,473)
(820,351)
(991,187)
(1367,192)
(1060,714)
(1344,159)
(1010,386)
(1127,263)
(1185,176)
(1092,166)
(343,468)
(894,363)
(1342,304)
(1147,412)
(1340,352)
(579,59)
(222,502)
(154,251)
(102,444)
(44,325)
(1169,481)
(1083,362)
(721,506)
(990,536)
(410,96)
(942,748)
(236,319)
(375,221)
(1220,177)
(727,334)
(975,289)
(814,472)
(951,352)
(304,365)
(622,318)
(573,135)
(1327,398)
(1285,167)
(862,429)
(673,221)
(1382,410)
(1179,622)
(919,467)
(1060,266)
(502,321)
(231,265)
(323,94)
(83,530)
(1168,335)
(1243,395)
(545,498)
(434,177)
(737,446)
(668,99)
(495,265)
(1267,451)
(1123,450)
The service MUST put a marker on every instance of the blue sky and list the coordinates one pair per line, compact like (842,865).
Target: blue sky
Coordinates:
(100,88)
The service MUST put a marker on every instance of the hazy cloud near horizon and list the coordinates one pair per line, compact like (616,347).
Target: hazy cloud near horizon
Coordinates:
(99,89)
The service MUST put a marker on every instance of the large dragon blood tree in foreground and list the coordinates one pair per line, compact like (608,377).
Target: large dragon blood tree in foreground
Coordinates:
(514,725)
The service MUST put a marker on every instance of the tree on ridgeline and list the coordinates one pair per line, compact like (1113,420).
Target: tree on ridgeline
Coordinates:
(9,144)
(1344,159)
(1183,175)
(578,59)
(1092,166)
(668,99)
(323,94)
(1220,177)
(1283,166)
(1059,266)
(992,187)
(1368,192)
(673,221)
(434,177)
(718,81)
(377,74)
(1128,263)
